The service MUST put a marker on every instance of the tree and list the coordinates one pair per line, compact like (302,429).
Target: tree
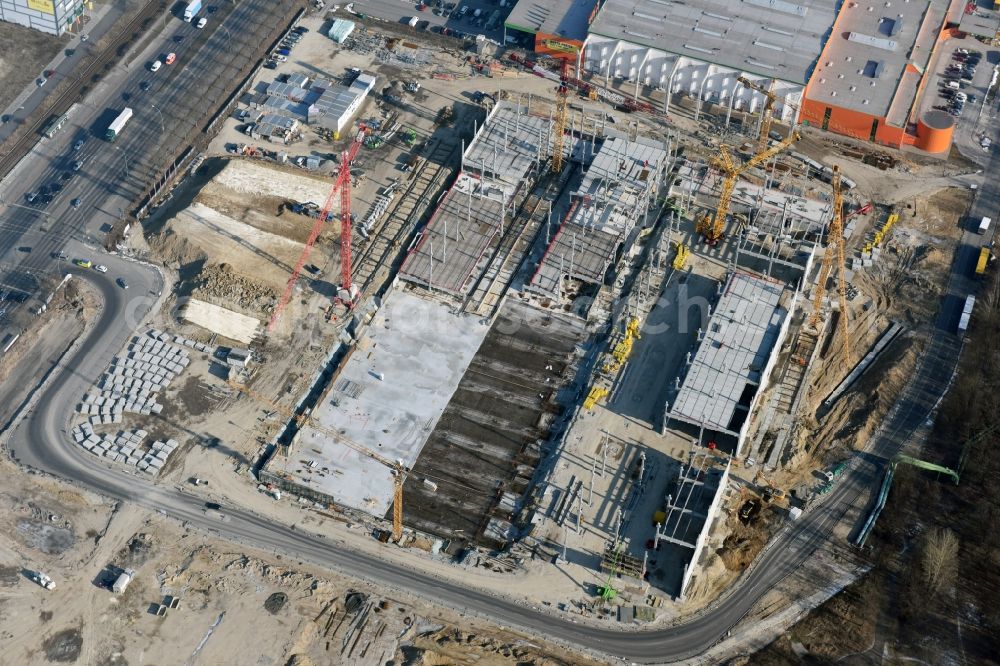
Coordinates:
(940,559)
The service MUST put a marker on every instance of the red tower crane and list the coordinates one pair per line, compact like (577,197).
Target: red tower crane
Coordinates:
(341,187)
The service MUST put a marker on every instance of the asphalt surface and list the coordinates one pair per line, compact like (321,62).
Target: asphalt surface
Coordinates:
(40,439)
(178,100)
(63,67)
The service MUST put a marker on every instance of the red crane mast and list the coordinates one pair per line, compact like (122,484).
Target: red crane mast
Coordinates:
(342,188)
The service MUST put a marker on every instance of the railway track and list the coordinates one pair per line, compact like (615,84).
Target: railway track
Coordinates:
(384,249)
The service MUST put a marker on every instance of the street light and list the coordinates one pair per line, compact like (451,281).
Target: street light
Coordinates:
(124,157)
(162,126)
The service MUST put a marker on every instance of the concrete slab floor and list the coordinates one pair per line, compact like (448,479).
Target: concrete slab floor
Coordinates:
(388,397)
(669,332)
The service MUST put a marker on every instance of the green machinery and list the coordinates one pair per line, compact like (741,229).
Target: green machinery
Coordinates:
(953,474)
(607,592)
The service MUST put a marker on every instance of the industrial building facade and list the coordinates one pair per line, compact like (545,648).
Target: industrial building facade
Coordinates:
(855,69)
(51,16)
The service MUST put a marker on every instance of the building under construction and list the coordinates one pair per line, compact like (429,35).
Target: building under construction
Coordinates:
(614,197)
(464,402)
(722,378)
(499,168)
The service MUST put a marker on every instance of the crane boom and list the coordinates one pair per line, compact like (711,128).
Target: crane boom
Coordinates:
(835,237)
(766,114)
(714,230)
(562,110)
(341,187)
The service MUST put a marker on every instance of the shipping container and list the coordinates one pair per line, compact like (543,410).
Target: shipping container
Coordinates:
(984,261)
(118,124)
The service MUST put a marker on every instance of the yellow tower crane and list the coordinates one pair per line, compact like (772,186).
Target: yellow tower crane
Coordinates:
(713,228)
(766,117)
(562,111)
(399,471)
(835,237)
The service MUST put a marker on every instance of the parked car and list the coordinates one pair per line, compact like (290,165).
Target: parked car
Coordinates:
(77,165)
(75,203)
(79,144)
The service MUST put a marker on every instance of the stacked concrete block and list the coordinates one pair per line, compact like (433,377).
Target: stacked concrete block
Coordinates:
(131,385)
(133,380)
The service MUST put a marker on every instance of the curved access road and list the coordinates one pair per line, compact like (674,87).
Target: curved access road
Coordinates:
(40,441)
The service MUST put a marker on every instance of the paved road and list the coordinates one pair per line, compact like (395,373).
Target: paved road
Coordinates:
(63,66)
(115,174)
(40,440)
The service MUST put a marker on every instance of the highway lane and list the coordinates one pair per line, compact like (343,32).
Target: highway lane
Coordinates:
(179,100)
(40,441)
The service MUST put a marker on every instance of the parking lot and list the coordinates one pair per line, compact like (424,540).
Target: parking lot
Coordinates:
(455,17)
(961,79)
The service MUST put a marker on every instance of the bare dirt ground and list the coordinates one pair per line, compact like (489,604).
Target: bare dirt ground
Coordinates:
(904,285)
(44,337)
(230,600)
(24,53)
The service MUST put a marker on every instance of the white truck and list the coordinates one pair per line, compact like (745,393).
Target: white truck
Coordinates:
(984,225)
(963,321)
(192,10)
(121,584)
(43,580)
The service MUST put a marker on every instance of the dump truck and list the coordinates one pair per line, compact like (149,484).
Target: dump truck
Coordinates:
(984,261)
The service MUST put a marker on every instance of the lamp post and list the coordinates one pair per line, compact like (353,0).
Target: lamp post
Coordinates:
(163,129)
(125,158)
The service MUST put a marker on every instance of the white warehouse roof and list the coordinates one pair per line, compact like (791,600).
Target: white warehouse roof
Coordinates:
(771,38)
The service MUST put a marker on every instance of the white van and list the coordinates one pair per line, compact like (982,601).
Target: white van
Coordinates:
(984,225)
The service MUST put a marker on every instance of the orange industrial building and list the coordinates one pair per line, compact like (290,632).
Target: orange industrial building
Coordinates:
(859,70)
(872,72)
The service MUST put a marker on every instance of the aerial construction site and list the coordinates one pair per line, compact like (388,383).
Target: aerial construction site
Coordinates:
(516,319)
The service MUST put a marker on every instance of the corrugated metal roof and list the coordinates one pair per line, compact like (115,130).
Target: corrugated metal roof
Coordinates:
(740,338)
